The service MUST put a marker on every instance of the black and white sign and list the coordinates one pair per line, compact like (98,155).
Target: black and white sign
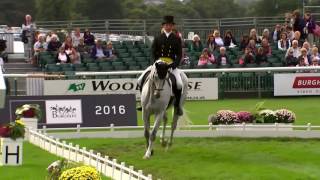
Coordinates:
(67,111)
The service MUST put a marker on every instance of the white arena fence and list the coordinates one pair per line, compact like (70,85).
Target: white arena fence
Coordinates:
(104,165)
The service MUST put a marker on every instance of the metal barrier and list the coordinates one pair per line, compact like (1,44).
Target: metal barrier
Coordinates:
(258,80)
(9,38)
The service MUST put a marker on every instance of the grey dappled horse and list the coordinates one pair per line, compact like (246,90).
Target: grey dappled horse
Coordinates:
(155,99)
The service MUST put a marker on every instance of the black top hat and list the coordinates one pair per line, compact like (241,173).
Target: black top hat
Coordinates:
(168,20)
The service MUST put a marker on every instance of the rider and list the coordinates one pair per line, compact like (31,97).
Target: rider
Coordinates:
(167,47)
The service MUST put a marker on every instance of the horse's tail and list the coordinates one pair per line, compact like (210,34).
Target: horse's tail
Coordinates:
(184,121)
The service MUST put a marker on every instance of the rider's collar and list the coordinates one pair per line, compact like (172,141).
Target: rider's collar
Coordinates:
(167,33)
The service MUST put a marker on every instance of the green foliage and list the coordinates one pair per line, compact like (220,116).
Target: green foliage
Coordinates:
(17,130)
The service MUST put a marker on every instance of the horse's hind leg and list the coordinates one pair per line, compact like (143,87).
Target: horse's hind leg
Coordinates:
(158,118)
(162,140)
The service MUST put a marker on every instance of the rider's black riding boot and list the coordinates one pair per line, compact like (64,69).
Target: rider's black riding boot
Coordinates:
(177,102)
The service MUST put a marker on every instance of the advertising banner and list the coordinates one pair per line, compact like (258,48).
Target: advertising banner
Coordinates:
(68,111)
(297,84)
(198,88)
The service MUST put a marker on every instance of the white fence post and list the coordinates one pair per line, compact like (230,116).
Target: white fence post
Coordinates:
(90,157)
(130,172)
(140,172)
(111,127)
(70,150)
(97,162)
(44,129)
(84,149)
(106,165)
(309,127)
(123,165)
(277,126)
(243,126)
(113,167)
(77,152)
(78,128)
(210,126)
(149,176)
(63,148)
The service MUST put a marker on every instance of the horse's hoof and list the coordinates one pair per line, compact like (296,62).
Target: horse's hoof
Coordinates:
(151,152)
(146,157)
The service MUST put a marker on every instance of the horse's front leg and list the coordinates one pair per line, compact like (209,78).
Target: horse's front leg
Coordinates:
(162,140)
(158,118)
(173,128)
(146,119)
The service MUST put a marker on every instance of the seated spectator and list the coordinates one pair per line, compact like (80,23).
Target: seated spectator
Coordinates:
(315,54)
(49,36)
(266,34)
(290,33)
(252,45)
(75,57)
(111,53)
(210,43)
(314,62)
(54,44)
(40,45)
(67,44)
(229,40)
(206,58)
(301,62)
(253,35)
(276,33)
(247,57)
(196,44)
(297,36)
(62,57)
(266,47)
(218,41)
(305,56)
(88,38)
(307,46)
(223,59)
(261,57)
(185,60)
(296,49)
(98,51)
(284,43)
(290,59)
(76,37)
(244,42)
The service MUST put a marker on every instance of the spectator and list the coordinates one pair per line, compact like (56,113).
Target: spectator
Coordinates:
(82,48)
(244,42)
(62,57)
(28,32)
(54,44)
(298,23)
(315,54)
(307,46)
(290,33)
(247,57)
(111,53)
(276,33)
(88,38)
(301,62)
(196,44)
(76,37)
(266,34)
(39,46)
(185,60)
(252,45)
(290,59)
(75,57)
(223,59)
(218,41)
(297,36)
(314,62)
(295,48)
(98,51)
(210,43)
(261,57)
(229,40)
(305,56)
(253,35)
(284,43)
(68,45)
(49,36)
(310,26)
(206,58)
(266,47)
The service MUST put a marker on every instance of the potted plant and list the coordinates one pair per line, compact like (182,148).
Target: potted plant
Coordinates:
(30,114)
(12,135)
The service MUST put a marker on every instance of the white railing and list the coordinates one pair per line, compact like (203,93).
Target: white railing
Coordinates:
(221,70)
(104,165)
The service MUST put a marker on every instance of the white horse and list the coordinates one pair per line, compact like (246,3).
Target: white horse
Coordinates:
(156,97)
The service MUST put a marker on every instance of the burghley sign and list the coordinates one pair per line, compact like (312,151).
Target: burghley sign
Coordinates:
(199,88)
(86,110)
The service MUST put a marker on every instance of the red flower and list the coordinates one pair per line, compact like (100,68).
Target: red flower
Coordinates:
(4,131)
(30,113)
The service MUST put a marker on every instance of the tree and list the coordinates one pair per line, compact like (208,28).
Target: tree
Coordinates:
(54,10)
(13,12)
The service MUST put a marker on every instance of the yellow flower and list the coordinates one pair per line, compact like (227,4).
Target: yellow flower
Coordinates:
(18,121)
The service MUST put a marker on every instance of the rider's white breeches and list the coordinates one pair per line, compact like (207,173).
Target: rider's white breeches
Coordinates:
(176,72)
